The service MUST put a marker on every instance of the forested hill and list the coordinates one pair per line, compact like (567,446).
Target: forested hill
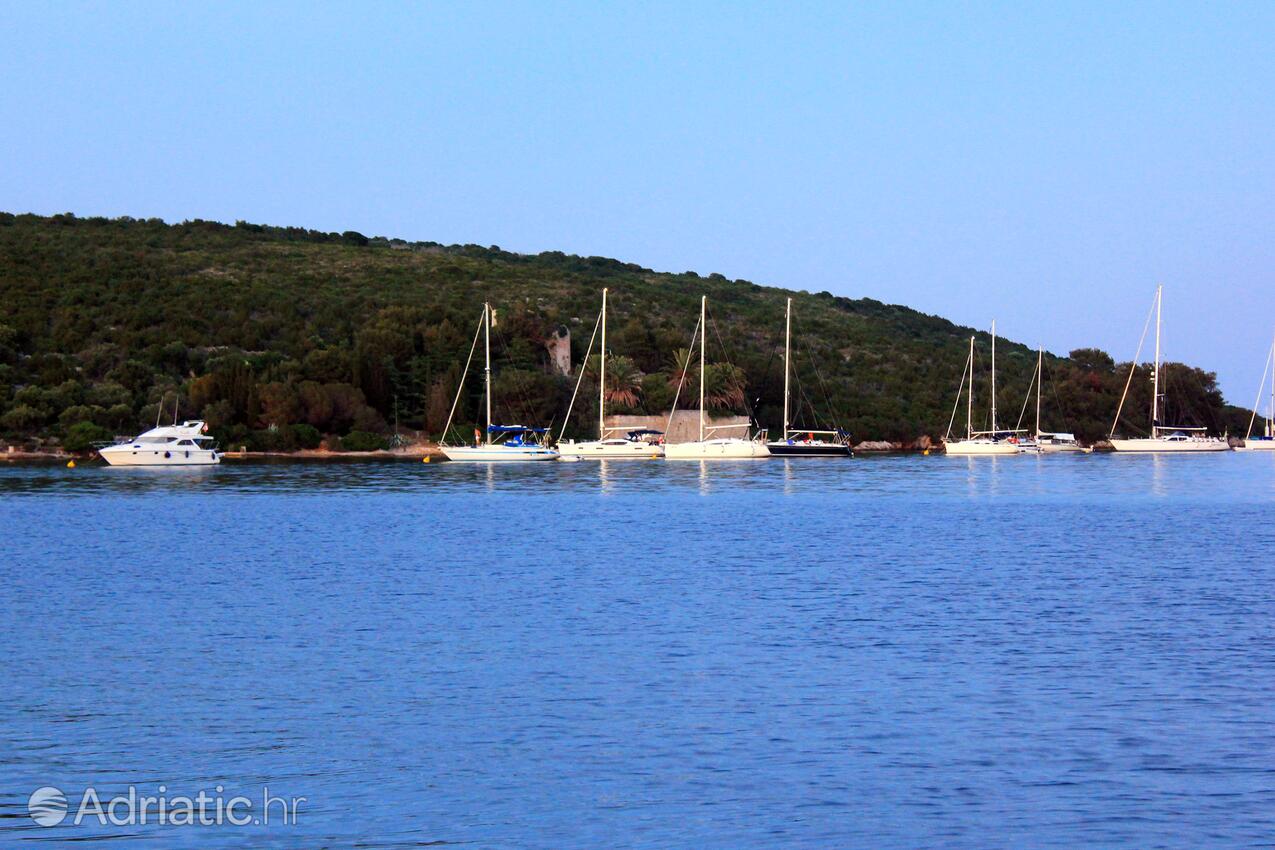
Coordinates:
(278,336)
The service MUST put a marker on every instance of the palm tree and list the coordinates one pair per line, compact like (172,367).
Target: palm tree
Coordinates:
(682,373)
(723,386)
(624,382)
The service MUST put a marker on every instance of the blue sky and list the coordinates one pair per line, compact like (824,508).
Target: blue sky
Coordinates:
(1042,165)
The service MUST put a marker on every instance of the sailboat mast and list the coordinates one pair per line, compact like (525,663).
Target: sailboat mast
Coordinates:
(1155,374)
(703,344)
(787,359)
(487,363)
(602,379)
(969,404)
(993,377)
(1040,380)
(1270,414)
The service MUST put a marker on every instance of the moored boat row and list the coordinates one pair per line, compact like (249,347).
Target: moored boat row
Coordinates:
(188,443)
(713,442)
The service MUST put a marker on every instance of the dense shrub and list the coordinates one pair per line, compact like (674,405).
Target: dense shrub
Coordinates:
(362,441)
(306,436)
(81,436)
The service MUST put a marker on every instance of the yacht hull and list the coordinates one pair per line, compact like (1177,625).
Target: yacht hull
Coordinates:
(1053,448)
(129,456)
(728,449)
(610,451)
(974,448)
(787,449)
(1257,444)
(1148,445)
(498,453)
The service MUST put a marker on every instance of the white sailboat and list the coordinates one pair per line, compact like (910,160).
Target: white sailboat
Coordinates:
(501,443)
(1164,438)
(709,446)
(803,443)
(1265,442)
(635,444)
(1046,442)
(978,442)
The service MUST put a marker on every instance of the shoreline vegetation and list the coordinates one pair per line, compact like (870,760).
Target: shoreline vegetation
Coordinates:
(287,341)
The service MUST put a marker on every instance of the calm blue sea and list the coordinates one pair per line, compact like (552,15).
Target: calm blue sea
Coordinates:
(881,652)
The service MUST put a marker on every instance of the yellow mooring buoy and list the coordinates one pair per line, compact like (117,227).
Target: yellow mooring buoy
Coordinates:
(425,459)
(70,464)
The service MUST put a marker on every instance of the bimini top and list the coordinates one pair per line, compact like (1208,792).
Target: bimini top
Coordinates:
(515,429)
(643,432)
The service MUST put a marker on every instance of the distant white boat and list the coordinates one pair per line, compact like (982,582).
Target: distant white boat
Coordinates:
(1265,442)
(635,444)
(1046,442)
(717,448)
(993,442)
(187,444)
(1164,438)
(709,446)
(501,443)
(1057,441)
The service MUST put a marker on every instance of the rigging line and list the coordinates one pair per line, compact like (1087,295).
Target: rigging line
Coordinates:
(823,387)
(1265,369)
(1026,399)
(682,379)
(1133,367)
(987,414)
(1063,408)
(805,401)
(814,363)
(730,361)
(765,386)
(524,399)
(583,364)
(957,404)
(472,348)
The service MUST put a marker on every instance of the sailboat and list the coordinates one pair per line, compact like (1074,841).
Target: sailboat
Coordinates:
(804,443)
(978,442)
(709,446)
(1265,442)
(639,443)
(1048,442)
(501,443)
(1164,438)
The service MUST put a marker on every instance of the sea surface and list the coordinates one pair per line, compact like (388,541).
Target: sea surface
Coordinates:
(879,652)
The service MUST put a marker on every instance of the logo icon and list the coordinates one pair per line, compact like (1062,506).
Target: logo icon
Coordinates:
(47,806)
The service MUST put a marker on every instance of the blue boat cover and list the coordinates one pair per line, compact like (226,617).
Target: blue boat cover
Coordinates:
(515,429)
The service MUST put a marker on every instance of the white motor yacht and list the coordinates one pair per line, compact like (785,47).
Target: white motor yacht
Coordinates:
(187,444)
